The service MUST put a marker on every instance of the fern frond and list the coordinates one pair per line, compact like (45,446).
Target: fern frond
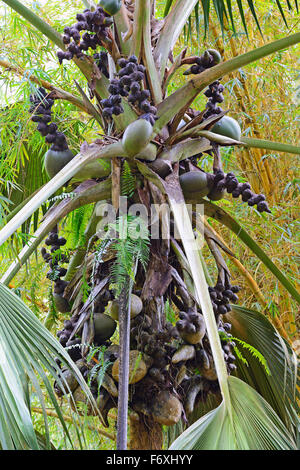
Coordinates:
(127,181)
(255,353)
(130,250)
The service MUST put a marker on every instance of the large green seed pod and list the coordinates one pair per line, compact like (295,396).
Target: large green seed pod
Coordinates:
(136,137)
(148,153)
(69,383)
(228,127)
(110,6)
(56,160)
(166,409)
(137,367)
(61,304)
(95,169)
(216,195)
(136,306)
(216,55)
(104,327)
(195,182)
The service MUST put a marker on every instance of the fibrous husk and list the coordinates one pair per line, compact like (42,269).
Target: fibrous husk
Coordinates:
(61,304)
(109,385)
(184,353)
(136,306)
(69,383)
(137,367)
(166,409)
(207,367)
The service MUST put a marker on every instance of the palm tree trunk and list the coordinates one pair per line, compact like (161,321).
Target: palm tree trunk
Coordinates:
(145,434)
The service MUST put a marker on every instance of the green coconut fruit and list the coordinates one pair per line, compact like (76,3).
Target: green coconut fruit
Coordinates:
(166,409)
(69,383)
(148,153)
(137,367)
(216,55)
(162,167)
(136,306)
(104,327)
(110,6)
(197,182)
(216,195)
(56,160)
(95,169)
(136,137)
(228,127)
(61,304)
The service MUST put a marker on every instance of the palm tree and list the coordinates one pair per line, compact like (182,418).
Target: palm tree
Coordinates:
(178,363)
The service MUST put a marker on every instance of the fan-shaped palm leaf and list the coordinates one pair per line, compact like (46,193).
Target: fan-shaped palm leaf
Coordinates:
(279,387)
(27,352)
(244,419)
(250,425)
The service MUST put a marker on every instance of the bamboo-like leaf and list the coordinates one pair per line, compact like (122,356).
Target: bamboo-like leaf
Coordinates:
(282,12)
(241,10)
(251,5)
(186,94)
(221,215)
(221,13)
(269,145)
(84,64)
(253,425)
(86,193)
(205,6)
(27,349)
(36,21)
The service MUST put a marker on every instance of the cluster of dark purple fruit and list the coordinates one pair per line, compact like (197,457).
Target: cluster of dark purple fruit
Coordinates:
(207,60)
(227,346)
(215,96)
(155,344)
(129,83)
(221,295)
(56,272)
(41,109)
(230,182)
(90,31)
(191,326)
(101,60)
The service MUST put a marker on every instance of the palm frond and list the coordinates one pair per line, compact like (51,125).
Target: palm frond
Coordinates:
(224,9)
(279,386)
(252,425)
(27,353)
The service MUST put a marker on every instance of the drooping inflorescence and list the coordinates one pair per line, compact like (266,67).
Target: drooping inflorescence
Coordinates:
(56,272)
(101,60)
(129,83)
(90,31)
(41,109)
(230,182)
